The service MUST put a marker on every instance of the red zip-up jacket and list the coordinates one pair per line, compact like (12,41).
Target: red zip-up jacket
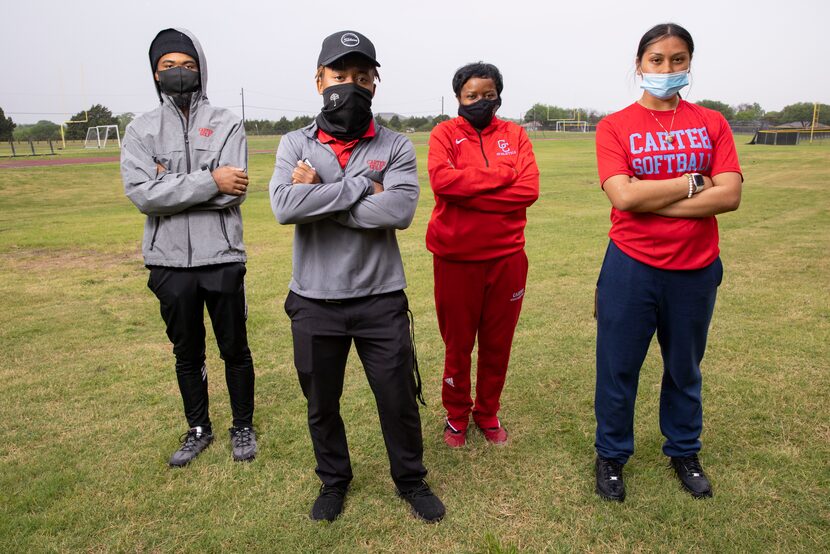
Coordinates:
(483,183)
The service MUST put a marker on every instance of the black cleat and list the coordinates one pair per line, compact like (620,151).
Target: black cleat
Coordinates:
(425,505)
(193,442)
(691,476)
(243,443)
(329,503)
(610,484)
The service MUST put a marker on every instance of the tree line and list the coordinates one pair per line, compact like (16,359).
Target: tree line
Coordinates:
(285,125)
(543,115)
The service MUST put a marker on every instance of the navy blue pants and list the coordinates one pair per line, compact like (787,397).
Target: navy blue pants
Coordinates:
(633,301)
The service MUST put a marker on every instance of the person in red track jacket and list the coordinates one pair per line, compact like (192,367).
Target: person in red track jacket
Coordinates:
(484,176)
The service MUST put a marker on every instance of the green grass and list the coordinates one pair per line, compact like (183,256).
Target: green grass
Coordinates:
(91,409)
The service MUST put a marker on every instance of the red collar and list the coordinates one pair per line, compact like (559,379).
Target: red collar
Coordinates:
(326,138)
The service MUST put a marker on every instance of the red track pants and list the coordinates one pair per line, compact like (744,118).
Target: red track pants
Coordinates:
(484,299)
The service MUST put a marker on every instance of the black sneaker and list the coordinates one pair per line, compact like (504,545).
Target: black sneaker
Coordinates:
(425,505)
(691,476)
(329,503)
(193,442)
(243,443)
(610,484)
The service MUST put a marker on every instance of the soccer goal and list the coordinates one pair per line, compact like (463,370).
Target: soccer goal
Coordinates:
(97,137)
(579,126)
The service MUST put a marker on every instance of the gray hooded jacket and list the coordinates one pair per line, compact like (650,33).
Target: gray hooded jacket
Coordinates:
(344,236)
(189,222)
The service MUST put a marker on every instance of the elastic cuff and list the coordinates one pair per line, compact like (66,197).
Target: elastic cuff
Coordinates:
(488,422)
(458,426)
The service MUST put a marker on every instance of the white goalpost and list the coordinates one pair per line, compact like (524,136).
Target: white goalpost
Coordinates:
(572,125)
(96,137)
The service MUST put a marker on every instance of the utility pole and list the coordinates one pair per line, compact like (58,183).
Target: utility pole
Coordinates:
(442,105)
(243,105)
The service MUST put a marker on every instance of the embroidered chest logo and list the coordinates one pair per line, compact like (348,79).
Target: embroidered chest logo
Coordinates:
(205,132)
(376,165)
(504,146)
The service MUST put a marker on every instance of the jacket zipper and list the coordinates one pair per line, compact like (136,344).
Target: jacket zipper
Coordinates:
(351,156)
(481,144)
(155,231)
(185,128)
(224,229)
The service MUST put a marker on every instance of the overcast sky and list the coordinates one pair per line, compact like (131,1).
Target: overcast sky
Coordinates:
(58,57)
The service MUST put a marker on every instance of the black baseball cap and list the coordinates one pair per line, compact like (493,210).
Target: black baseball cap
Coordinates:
(343,43)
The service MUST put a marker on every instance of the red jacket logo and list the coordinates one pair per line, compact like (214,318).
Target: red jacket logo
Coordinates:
(376,165)
(504,146)
(205,132)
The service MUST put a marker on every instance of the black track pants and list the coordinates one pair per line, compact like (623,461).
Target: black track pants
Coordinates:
(183,294)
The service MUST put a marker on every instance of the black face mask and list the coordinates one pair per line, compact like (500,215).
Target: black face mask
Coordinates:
(480,113)
(180,84)
(347,111)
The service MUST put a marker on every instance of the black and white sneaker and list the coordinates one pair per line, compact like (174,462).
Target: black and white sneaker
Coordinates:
(691,476)
(243,443)
(610,484)
(425,505)
(193,442)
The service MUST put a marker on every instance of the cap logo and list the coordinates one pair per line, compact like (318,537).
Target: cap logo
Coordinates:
(349,39)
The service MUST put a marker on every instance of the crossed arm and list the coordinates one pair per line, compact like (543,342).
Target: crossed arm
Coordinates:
(299,195)
(502,188)
(157,192)
(669,197)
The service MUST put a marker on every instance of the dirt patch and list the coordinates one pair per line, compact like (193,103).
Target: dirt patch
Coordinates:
(44,260)
(39,162)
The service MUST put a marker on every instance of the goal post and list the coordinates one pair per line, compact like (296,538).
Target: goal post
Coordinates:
(97,137)
(571,125)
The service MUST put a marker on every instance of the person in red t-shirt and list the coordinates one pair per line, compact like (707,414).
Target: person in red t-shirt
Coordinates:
(484,175)
(668,167)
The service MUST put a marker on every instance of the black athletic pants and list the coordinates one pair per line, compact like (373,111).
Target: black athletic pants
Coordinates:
(323,332)
(183,294)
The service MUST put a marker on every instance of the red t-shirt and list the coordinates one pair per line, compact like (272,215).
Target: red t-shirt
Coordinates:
(630,142)
(343,148)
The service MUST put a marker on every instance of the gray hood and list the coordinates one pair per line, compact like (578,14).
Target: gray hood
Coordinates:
(203,70)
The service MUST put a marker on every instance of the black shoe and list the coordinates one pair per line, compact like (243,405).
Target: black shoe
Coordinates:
(691,476)
(193,442)
(243,443)
(610,484)
(329,503)
(425,505)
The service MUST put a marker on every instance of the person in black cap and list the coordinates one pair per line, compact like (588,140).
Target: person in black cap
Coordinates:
(183,166)
(348,184)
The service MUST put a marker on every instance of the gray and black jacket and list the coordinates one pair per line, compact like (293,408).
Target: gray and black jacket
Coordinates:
(189,222)
(344,238)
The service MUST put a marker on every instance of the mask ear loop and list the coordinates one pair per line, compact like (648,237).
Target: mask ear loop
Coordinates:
(691,83)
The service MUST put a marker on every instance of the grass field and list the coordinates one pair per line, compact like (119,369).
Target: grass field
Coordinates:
(92,410)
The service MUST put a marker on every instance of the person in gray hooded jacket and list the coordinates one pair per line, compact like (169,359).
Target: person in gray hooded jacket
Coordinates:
(347,185)
(184,166)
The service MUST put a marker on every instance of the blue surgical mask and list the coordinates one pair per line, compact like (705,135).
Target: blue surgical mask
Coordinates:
(664,85)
